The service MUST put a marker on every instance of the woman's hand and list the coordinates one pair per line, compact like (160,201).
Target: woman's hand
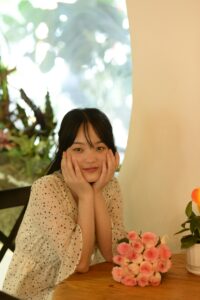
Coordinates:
(73,176)
(108,169)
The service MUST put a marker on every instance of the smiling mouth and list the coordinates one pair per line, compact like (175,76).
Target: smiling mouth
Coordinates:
(90,170)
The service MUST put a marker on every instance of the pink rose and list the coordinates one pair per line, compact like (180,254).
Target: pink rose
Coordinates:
(129,281)
(142,280)
(137,245)
(146,268)
(149,239)
(136,258)
(124,249)
(134,268)
(132,235)
(127,271)
(120,260)
(133,256)
(164,265)
(164,251)
(151,254)
(155,279)
(117,273)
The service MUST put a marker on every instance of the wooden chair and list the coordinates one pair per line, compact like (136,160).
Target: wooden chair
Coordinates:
(5,296)
(9,199)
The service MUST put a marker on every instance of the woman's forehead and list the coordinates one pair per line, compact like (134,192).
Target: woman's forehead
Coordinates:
(86,133)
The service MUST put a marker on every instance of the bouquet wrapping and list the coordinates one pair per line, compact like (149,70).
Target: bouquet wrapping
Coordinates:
(141,260)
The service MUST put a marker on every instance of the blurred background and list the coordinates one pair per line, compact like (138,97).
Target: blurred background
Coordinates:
(55,56)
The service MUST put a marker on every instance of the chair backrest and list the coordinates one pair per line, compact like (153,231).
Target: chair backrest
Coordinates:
(9,199)
(5,296)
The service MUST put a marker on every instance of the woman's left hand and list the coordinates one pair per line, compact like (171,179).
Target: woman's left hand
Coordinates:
(108,169)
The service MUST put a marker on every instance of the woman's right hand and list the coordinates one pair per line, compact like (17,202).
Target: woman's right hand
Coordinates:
(73,176)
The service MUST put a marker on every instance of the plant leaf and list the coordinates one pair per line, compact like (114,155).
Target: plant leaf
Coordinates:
(183,224)
(195,225)
(124,240)
(188,241)
(182,230)
(188,209)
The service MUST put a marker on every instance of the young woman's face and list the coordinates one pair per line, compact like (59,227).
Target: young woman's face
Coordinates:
(90,158)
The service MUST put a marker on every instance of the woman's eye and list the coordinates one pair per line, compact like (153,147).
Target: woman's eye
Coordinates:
(78,150)
(100,148)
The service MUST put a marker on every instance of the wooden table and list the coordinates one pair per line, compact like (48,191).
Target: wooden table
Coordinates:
(97,284)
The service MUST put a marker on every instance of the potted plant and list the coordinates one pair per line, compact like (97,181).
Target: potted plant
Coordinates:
(191,241)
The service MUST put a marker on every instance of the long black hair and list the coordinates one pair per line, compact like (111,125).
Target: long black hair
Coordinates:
(69,128)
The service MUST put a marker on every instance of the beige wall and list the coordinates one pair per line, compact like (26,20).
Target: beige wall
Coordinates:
(162,160)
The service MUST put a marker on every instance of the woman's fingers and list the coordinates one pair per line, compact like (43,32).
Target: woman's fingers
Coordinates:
(67,166)
(77,169)
(111,162)
(117,159)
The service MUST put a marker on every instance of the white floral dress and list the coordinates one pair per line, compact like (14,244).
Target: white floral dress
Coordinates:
(49,241)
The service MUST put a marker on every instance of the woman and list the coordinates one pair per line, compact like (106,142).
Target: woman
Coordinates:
(74,215)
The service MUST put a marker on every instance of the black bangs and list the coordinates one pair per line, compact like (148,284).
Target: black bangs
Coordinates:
(86,133)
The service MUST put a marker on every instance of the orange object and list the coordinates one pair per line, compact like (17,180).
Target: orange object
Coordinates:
(196,196)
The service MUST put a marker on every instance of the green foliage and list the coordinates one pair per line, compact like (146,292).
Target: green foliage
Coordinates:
(192,225)
(24,149)
(8,218)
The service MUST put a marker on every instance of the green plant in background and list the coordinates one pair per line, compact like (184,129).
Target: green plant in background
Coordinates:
(192,224)
(26,138)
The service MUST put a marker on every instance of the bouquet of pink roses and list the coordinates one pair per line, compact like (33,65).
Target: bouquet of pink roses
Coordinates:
(141,260)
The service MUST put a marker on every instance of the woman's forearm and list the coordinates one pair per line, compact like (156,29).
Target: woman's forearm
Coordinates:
(103,227)
(87,224)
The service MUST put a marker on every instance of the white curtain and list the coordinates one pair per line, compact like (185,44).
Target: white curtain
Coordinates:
(162,160)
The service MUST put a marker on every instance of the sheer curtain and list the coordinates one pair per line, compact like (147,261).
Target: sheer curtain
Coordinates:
(161,165)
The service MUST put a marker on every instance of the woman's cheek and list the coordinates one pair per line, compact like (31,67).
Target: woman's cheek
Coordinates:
(77,157)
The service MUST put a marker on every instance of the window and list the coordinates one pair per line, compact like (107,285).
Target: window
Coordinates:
(77,50)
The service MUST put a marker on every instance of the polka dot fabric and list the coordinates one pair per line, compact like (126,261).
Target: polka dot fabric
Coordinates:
(49,241)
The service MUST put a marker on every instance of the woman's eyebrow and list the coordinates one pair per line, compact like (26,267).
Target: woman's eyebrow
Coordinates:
(82,143)
(99,142)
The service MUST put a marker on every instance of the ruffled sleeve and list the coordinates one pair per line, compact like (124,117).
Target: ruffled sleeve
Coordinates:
(115,209)
(51,210)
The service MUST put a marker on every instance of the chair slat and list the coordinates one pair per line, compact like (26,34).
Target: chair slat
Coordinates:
(9,199)
(14,197)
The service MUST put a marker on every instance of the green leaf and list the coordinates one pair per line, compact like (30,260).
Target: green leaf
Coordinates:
(195,224)
(182,230)
(188,209)
(183,224)
(188,241)
(124,240)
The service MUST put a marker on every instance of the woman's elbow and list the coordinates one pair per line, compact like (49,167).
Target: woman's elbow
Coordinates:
(109,259)
(82,268)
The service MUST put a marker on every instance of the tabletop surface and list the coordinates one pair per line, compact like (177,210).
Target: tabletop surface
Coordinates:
(97,284)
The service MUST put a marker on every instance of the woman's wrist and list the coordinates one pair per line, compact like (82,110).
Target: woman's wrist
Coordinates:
(98,192)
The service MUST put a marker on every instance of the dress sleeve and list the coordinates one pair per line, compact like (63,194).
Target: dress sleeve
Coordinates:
(49,205)
(115,209)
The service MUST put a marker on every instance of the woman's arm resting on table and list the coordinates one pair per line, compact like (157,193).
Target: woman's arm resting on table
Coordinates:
(84,194)
(103,227)
(86,222)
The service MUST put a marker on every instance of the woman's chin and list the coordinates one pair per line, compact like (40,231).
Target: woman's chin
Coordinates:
(91,178)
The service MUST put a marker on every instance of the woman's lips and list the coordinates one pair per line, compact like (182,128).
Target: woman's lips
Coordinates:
(90,170)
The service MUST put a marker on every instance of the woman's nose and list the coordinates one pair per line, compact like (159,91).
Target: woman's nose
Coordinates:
(90,156)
